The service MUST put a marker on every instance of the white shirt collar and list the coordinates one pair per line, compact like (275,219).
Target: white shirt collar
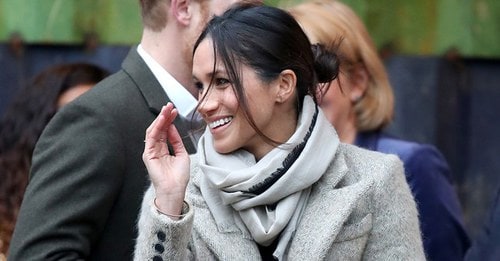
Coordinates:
(180,97)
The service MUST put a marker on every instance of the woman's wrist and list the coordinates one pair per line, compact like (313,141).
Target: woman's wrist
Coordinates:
(174,212)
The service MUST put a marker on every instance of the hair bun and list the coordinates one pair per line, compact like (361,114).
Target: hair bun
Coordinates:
(326,63)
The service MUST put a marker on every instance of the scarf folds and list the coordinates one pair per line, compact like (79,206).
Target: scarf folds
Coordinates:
(269,195)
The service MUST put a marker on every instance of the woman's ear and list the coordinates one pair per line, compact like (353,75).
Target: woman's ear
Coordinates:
(181,10)
(360,79)
(286,85)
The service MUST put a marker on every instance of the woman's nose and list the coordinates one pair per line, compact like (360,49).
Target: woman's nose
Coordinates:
(208,103)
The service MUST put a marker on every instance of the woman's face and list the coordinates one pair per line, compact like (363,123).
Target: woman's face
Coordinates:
(221,109)
(335,102)
(338,106)
(72,93)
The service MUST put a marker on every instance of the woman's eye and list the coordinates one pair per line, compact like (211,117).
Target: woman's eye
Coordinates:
(199,86)
(221,82)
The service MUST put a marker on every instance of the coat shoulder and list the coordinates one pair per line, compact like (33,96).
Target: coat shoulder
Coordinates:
(363,160)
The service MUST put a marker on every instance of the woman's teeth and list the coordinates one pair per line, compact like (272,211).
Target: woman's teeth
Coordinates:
(220,122)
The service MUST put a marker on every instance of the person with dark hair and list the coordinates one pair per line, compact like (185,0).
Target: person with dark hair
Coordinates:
(360,104)
(87,178)
(23,122)
(270,180)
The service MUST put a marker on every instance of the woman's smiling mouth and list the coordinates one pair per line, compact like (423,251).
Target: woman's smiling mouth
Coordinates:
(220,122)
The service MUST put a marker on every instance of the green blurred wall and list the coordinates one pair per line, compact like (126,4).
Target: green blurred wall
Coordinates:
(417,27)
(430,27)
(69,21)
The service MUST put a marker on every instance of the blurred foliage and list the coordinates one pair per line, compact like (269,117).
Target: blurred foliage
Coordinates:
(417,27)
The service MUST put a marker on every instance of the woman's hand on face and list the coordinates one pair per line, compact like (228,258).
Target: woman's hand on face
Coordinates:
(169,173)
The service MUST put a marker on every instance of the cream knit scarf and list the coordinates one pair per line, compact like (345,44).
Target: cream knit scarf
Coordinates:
(269,195)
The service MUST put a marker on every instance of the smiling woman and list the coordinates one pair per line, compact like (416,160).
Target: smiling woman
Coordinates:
(233,127)
(270,176)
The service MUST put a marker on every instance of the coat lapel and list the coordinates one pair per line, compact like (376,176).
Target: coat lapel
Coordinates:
(226,241)
(145,81)
(152,92)
(330,206)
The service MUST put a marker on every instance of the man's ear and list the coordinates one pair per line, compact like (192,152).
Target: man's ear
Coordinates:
(181,10)
(287,82)
(360,79)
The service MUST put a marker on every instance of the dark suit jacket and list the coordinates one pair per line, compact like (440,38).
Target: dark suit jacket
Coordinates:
(428,174)
(87,178)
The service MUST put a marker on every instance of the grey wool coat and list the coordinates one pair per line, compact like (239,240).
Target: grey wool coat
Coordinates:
(88,178)
(361,209)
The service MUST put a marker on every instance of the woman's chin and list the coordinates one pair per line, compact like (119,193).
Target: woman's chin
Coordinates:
(222,148)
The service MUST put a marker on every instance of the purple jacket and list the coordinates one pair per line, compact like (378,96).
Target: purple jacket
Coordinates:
(486,246)
(428,175)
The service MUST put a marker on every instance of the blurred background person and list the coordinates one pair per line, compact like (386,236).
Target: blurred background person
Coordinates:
(23,122)
(360,105)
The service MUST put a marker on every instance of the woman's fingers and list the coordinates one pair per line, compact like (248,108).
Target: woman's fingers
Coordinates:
(157,133)
(176,141)
(161,130)
(169,174)
(158,129)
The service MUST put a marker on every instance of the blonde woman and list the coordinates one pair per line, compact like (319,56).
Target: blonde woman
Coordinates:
(359,103)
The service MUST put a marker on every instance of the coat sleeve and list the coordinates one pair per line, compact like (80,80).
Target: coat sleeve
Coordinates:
(441,218)
(161,238)
(396,233)
(75,177)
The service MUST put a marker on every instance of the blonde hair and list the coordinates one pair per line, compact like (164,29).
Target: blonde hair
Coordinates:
(335,25)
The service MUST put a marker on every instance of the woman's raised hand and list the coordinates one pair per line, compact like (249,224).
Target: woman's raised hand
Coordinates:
(169,173)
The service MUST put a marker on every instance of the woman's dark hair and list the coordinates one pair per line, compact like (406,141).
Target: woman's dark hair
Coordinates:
(269,40)
(21,125)
(35,104)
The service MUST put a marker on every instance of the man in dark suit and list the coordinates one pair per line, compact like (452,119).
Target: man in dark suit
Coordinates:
(87,178)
